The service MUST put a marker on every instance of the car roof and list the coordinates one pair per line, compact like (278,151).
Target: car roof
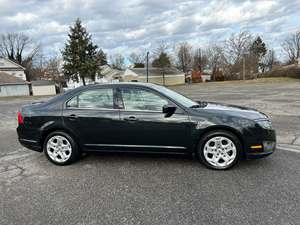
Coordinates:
(126,84)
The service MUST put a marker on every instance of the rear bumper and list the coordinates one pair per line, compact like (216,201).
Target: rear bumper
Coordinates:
(31,144)
(27,139)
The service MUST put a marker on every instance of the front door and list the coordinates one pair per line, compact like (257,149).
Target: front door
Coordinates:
(145,127)
(92,117)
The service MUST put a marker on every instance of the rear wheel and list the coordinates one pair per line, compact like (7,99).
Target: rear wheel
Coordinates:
(219,150)
(60,148)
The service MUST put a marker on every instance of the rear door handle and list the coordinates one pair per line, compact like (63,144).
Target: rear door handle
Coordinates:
(72,117)
(131,119)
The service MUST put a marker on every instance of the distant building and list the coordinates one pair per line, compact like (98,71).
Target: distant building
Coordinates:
(13,86)
(108,75)
(172,76)
(43,87)
(9,67)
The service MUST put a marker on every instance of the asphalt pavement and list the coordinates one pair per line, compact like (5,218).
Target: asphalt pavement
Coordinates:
(158,189)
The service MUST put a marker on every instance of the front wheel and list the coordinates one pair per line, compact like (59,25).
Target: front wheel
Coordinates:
(60,148)
(219,150)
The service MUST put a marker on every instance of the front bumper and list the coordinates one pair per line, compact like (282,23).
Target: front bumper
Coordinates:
(261,145)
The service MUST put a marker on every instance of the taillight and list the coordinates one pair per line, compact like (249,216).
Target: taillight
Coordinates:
(20,118)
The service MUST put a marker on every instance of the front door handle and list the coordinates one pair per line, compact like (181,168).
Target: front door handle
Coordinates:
(131,119)
(72,117)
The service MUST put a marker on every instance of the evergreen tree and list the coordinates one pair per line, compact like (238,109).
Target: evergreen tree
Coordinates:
(80,55)
(162,62)
(101,58)
(258,50)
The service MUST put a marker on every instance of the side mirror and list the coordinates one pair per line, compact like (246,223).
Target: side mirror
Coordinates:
(168,110)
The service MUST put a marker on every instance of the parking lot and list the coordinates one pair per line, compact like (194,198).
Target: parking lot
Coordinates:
(159,189)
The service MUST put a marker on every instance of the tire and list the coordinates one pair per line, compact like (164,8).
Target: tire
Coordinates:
(60,148)
(219,150)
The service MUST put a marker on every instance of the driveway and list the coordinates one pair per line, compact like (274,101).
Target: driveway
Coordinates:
(152,189)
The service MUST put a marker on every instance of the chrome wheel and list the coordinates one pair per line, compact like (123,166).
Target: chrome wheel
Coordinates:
(59,149)
(220,152)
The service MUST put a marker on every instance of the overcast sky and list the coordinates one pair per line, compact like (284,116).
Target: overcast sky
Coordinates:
(123,26)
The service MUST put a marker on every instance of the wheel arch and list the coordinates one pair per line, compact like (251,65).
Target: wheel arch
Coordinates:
(46,132)
(232,130)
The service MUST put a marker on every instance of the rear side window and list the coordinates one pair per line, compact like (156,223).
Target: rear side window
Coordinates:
(97,98)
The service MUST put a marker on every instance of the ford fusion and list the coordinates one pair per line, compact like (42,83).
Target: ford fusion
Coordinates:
(143,118)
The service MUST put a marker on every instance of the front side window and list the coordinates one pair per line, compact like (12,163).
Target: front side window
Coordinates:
(137,99)
(98,98)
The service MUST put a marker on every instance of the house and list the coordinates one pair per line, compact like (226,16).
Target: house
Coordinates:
(13,86)
(172,76)
(107,75)
(9,67)
(43,87)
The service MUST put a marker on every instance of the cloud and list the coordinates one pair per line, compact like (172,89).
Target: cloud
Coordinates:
(124,26)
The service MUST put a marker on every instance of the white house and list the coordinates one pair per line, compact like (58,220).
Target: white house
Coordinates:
(108,75)
(172,76)
(9,67)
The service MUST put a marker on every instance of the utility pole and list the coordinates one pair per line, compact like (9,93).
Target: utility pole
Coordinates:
(244,68)
(147,66)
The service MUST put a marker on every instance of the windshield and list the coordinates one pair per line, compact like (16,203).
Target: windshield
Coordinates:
(186,102)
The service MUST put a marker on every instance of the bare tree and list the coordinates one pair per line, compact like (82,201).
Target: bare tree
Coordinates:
(217,60)
(19,48)
(269,60)
(291,47)
(117,61)
(184,56)
(237,45)
(200,59)
(138,60)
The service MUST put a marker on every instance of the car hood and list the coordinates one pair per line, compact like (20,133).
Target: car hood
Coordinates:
(232,110)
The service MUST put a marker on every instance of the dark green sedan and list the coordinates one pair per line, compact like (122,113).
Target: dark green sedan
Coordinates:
(143,118)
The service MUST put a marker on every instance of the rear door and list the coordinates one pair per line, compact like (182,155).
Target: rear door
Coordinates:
(92,116)
(145,127)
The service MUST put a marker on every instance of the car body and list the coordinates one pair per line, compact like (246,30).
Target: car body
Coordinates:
(143,117)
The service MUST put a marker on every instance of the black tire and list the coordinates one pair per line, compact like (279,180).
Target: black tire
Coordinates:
(219,133)
(75,151)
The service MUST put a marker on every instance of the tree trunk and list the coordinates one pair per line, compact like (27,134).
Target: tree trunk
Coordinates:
(163,78)
(83,81)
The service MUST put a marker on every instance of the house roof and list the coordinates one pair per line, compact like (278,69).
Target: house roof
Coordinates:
(107,71)
(15,66)
(6,78)
(154,71)
(42,82)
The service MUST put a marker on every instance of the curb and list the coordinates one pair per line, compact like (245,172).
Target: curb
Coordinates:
(288,147)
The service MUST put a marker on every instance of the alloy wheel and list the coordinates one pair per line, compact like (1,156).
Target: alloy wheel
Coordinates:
(220,152)
(59,149)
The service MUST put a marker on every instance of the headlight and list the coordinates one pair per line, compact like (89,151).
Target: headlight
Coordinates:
(266,124)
